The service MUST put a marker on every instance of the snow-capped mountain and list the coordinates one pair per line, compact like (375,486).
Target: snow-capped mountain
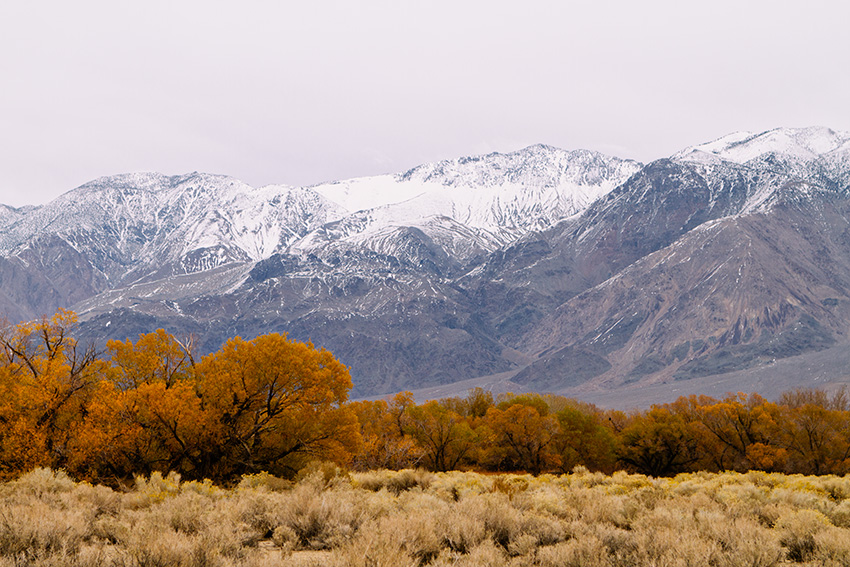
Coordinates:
(132,223)
(505,195)
(568,271)
(130,230)
(803,144)
(818,154)
(10,215)
(464,208)
(154,216)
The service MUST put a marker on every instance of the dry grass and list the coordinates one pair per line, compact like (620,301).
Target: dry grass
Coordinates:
(414,518)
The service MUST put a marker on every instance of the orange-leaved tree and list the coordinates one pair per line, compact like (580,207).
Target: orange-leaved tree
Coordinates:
(523,434)
(385,443)
(45,380)
(145,414)
(275,404)
(445,437)
(658,443)
(814,429)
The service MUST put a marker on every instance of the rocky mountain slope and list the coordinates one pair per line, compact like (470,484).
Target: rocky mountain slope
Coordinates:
(739,265)
(561,271)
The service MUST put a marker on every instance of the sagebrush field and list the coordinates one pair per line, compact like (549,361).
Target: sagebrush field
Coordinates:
(328,517)
(608,488)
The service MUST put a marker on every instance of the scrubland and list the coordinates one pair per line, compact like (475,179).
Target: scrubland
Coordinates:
(271,404)
(329,517)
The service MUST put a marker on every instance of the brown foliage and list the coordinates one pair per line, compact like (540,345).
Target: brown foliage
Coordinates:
(524,436)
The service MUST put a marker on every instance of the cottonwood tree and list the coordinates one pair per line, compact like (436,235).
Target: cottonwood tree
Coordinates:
(385,444)
(583,439)
(815,431)
(738,432)
(146,413)
(268,404)
(658,443)
(45,380)
(523,434)
(275,404)
(445,436)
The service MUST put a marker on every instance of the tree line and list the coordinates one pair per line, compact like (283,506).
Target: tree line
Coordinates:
(272,404)
(805,431)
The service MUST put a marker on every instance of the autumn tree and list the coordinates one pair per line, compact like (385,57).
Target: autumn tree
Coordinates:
(815,431)
(146,413)
(478,402)
(444,436)
(267,404)
(737,431)
(474,405)
(583,439)
(156,357)
(658,443)
(398,407)
(275,404)
(45,380)
(523,434)
(385,443)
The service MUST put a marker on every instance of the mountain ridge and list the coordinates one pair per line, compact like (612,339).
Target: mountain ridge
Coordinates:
(569,270)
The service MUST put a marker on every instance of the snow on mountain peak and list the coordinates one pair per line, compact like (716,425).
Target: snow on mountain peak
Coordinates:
(537,166)
(132,220)
(799,144)
(534,166)
(782,164)
(10,215)
(151,215)
(498,195)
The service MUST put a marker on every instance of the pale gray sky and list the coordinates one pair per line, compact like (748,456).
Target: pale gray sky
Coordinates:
(310,91)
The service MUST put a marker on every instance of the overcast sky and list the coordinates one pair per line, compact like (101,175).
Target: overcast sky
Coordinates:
(310,91)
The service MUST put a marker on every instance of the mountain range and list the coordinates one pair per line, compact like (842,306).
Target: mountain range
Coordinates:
(725,266)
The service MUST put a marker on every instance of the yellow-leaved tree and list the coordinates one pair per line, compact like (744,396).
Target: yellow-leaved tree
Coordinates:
(268,404)
(145,413)
(274,404)
(523,434)
(45,381)
(386,445)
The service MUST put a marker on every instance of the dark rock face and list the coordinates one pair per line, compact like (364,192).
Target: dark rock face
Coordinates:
(689,268)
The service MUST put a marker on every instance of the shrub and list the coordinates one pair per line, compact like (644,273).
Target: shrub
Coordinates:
(263,481)
(798,530)
(323,473)
(320,519)
(37,527)
(722,520)
(394,481)
(43,481)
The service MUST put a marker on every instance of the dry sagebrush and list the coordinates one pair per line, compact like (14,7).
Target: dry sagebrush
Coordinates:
(413,518)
